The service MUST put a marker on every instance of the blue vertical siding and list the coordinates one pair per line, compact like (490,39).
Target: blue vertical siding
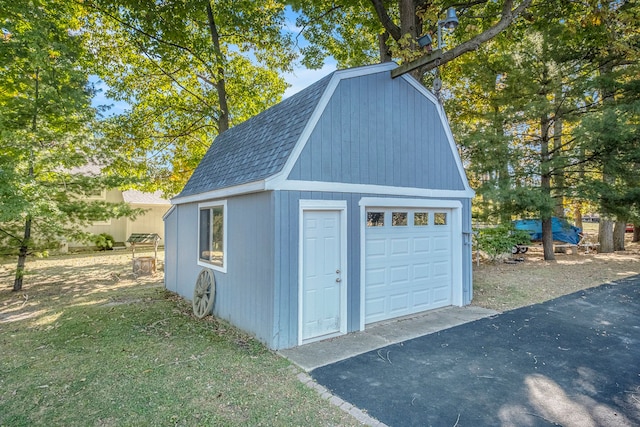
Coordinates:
(383,132)
(186,268)
(286,279)
(247,289)
(287,208)
(287,216)
(244,294)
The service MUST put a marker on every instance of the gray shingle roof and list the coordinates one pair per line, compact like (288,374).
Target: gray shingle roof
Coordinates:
(257,148)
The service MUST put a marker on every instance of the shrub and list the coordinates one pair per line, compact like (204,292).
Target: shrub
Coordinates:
(500,240)
(104,241)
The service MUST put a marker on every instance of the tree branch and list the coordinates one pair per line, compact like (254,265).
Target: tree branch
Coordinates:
(317,19)
(437,58)
(144,33)
(170,75)
(385,20)
(11,236)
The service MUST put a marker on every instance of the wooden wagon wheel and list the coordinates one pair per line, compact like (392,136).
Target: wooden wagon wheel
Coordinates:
(204,294)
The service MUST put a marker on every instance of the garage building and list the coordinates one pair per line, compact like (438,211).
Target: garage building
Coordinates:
(344,205)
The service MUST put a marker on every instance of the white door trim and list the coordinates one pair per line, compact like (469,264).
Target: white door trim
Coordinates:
(325,205)
(456,243)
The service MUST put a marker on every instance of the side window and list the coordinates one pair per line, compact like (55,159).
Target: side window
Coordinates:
(211,232)
(440,218)
(375,219)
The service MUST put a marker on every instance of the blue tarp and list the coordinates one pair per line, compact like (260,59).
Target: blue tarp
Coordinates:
(562,230)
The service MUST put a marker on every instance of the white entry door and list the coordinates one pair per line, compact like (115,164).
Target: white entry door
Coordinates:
(322,284)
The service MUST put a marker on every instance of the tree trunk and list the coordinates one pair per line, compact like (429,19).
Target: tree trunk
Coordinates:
(559,176)
(547,240)
(24,244)
(605,236)
(22,256)
(578,203)
(435,59)
(504,179)
(605,233)
(408,20)
(545,184)
(385,54)
(618,235)
(409,25)
(577,214)
(636,233)
(223,119)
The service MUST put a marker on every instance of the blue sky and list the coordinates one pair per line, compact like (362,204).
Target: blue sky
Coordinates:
(300,78)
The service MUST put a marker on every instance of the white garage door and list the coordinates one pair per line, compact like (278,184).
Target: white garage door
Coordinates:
(408,261)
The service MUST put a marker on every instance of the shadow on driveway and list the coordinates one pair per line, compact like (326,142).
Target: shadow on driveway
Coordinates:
(572,361)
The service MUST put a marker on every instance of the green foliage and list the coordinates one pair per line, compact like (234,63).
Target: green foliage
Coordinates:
(347,31)
(103,241)
(544,109)
(47,134)
(495,241)
(160,59)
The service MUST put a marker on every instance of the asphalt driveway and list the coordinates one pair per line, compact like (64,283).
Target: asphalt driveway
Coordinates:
(572,361)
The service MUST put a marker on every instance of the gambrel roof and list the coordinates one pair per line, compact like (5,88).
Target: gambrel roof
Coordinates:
(258,147)
(385,136)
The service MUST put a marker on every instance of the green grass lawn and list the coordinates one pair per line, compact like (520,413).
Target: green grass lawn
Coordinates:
(94,346)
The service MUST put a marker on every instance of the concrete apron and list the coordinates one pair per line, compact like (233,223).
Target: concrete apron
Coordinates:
(381,334)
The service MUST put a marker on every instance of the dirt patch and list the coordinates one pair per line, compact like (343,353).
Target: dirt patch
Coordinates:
(501,286)
(77,278)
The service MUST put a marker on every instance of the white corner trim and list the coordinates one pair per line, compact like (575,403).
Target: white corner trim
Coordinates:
(236,190)
(167,213)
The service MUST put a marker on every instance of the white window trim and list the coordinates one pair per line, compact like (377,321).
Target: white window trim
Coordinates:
(455,221)
(225,227)
(105,222)
(328,205)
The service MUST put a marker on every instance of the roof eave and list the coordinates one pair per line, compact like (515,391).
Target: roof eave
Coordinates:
(221,193)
